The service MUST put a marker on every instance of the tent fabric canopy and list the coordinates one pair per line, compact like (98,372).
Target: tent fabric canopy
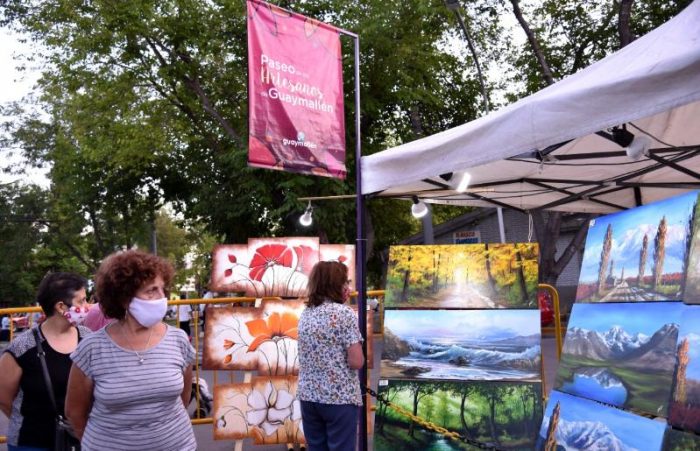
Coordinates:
(544,151)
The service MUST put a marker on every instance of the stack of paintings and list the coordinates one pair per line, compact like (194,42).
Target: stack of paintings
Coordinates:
(461,348)
(631,341)
(264,340)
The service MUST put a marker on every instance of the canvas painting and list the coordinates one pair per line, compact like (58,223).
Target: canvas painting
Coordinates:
(265,267)
(230,271)
(685,404)
(265,409)
(344,253)
(253,339)
(639,254)
(621,354)
(680,441)
(282,265)
(461,345)
(464,276)
(691,287)
(574,423)
(258,339)
(504,415)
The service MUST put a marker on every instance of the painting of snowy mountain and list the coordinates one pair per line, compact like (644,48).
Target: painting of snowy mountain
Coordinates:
(640,254)
(621,354)
(574,424)
(462,345)
(685,404)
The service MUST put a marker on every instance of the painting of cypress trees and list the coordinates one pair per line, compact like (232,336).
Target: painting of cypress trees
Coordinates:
(643,254)
(684,410)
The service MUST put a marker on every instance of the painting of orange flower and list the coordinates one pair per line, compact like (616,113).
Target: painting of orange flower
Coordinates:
(253,339)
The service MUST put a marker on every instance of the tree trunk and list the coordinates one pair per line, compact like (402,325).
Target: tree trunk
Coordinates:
(623,23)
(520,276)
(544,67)
(491,280)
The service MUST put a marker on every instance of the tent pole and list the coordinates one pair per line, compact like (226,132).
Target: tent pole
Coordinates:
(501,228)
(427,222)
(360,243)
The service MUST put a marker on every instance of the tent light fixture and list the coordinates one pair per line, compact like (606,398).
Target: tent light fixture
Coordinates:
(307,218)
(622,136)
(639,147)
(418,209)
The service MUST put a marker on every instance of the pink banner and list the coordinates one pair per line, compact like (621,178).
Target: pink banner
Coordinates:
(295,92)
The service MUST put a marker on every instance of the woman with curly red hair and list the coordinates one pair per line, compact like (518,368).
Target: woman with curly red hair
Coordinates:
(130,381)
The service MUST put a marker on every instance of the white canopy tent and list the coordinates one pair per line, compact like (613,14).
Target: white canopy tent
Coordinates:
(545,151)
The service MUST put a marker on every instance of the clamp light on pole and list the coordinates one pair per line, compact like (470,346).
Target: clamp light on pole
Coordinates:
(418,209)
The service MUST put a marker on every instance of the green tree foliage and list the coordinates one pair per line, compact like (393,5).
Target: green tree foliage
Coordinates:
(146,105)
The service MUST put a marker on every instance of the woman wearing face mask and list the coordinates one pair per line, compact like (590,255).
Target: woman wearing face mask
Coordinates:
(130,381)
(330,352)
(24,395)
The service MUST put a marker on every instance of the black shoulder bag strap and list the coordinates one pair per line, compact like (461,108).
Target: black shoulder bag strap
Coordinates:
(44,368)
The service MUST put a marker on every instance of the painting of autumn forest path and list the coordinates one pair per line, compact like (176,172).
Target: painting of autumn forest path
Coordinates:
(640,254)
(463,276)
(501,414)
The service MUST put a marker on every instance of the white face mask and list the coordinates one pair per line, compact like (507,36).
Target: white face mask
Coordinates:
(148,313)
(76,315)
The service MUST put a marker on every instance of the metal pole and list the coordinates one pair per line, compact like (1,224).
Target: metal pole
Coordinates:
(501,228)
(360,243)
(427,222)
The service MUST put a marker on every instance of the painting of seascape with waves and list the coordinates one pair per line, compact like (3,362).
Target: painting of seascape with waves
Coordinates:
(462,345)
(572,423)
(621,354)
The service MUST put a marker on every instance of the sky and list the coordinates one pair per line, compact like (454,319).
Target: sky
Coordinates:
(464,324)
(636,317)
(635,431)
(629,228)
(15,85)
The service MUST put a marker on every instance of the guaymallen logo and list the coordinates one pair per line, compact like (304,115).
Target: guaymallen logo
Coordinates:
(299,142)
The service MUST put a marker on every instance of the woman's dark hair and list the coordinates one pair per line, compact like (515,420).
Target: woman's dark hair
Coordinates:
(122,274)
(327,281)
(58,287)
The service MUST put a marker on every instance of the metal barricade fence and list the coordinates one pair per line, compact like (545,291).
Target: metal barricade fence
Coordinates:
(29,311)
(16,313)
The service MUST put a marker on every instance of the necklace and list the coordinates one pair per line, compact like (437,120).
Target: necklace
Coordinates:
(133,349)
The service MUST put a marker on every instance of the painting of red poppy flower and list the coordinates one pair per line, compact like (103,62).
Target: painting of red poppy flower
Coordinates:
(282,265)
(230,271)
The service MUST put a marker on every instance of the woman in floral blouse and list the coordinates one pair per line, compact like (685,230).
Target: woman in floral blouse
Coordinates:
(330,353)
